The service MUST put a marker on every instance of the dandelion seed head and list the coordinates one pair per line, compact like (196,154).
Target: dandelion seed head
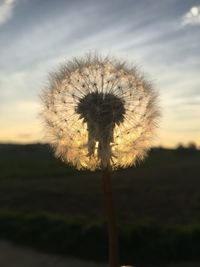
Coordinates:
(99,112)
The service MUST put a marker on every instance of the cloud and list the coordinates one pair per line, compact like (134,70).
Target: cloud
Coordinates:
(6,7)
(192,17)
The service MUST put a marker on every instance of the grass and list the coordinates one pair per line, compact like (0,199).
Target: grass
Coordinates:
(147,242)
(164,189)
(53,207)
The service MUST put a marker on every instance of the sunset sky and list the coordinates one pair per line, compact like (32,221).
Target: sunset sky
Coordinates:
(162,37)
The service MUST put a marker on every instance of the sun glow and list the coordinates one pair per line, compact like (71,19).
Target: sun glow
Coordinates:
(99,112)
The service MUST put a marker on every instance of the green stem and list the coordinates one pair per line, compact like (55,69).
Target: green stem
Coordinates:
(111,219)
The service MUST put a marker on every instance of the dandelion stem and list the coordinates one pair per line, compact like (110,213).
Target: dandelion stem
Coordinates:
(111,219)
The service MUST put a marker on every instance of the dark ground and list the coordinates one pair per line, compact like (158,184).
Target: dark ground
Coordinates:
(50,206)
(164,189)
(17,256)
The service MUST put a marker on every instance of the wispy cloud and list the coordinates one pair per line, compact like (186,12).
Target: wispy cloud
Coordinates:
(192,17)
(6,8)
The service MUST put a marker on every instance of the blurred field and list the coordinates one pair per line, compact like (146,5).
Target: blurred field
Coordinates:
(164,189)
(23,257)
(50,206)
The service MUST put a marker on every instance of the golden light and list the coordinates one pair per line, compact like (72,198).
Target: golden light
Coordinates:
(99,112)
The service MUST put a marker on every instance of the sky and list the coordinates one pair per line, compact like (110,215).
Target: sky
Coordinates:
(161,37)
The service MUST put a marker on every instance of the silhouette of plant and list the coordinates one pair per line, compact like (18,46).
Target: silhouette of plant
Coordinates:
(100,113)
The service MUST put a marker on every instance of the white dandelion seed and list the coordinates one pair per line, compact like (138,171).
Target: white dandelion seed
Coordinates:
(99,112)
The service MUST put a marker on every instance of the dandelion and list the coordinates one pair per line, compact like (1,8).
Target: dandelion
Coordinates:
(100,113)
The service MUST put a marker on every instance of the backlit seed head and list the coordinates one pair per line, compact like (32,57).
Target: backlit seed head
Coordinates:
(99,112)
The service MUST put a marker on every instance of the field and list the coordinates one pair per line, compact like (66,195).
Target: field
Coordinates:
(159,197)
(165,188)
